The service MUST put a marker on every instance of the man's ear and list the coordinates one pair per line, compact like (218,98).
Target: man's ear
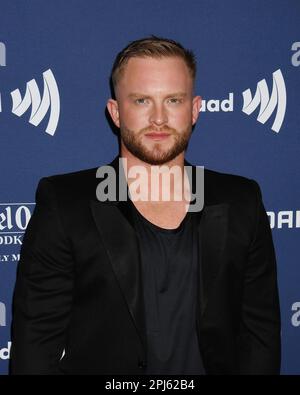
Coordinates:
(197,100)
(113,109)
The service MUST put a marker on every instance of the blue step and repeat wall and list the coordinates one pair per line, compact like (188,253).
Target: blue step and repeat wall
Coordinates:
(55,61)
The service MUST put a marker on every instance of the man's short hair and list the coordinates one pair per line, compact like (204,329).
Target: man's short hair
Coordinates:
(153,47)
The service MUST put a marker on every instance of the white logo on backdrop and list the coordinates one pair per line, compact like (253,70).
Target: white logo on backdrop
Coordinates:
(261,97)
(2,314)
(2,54)
(39,107)
(5,352)
(14,218)
(284,219)
(296,316)
(296,56)
(216,105)
(267,103)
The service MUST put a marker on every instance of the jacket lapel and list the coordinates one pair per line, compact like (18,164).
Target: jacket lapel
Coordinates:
(212,233)
(115,227)
(122,248)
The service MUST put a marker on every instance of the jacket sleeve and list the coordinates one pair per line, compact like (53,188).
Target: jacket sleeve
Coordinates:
(259,342)
(43,290)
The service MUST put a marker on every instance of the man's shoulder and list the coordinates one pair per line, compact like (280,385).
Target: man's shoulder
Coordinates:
(73,185)
(229,187)
(214,176)
(72,177)
(222,180)
(82,176)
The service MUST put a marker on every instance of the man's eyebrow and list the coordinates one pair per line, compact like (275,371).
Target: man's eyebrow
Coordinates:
(136,94)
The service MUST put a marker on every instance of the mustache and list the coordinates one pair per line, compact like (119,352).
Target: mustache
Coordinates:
(164,129)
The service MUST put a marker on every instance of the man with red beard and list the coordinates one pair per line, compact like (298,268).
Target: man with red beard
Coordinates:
(148,286)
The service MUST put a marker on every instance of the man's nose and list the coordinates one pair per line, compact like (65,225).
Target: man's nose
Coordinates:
(158,115)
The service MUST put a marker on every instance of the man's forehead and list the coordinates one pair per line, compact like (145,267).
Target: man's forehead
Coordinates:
(154,62)
(160,73)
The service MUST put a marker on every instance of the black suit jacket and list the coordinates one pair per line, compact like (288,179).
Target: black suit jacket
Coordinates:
(79,285)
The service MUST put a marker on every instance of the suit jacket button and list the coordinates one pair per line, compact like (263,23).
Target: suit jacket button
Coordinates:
(142,364)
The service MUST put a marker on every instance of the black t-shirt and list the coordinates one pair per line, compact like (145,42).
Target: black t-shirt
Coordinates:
(169,268)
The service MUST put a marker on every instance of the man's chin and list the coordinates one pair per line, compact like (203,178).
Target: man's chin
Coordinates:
(156,155)
(157,160)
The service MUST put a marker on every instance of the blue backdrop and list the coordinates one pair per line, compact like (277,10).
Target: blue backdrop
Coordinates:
(238,44)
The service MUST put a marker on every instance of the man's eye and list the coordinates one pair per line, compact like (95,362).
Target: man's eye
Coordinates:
(174,100)
(140,101)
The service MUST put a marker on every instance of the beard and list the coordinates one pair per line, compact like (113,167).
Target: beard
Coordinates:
(157,155)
